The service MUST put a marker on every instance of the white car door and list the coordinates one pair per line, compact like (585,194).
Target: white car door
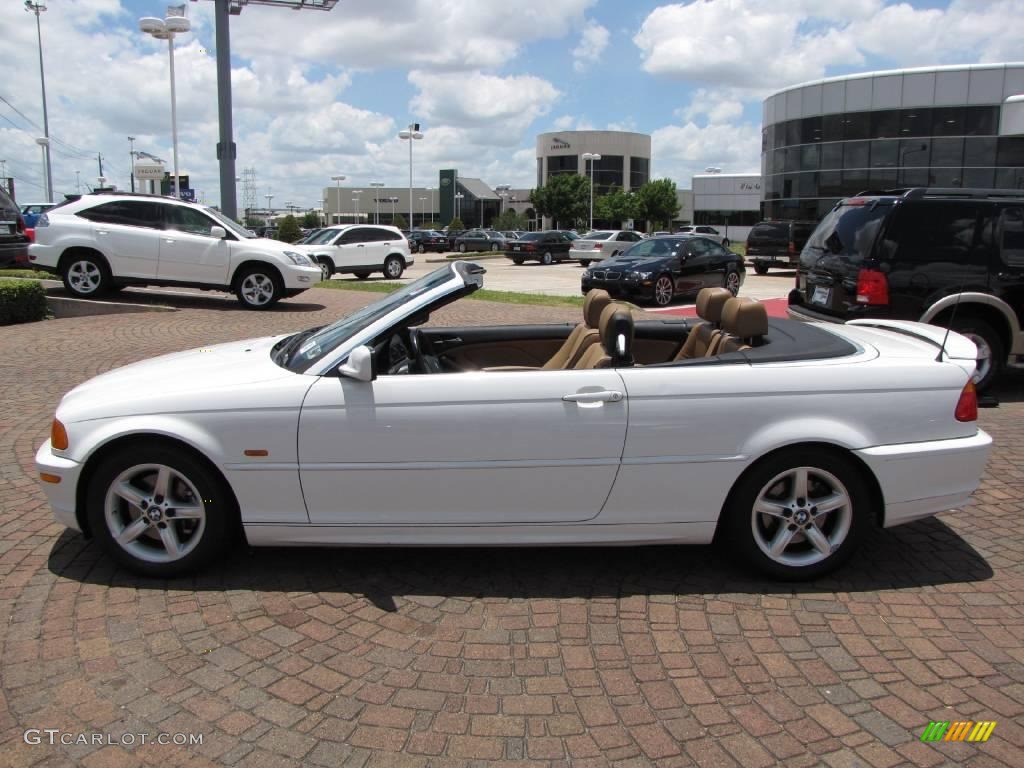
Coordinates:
(188,252)
(475,448)
(357,248)
(127,233)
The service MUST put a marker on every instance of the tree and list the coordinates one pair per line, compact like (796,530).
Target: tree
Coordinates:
(616,206)
(289,231)
(657,202)
(510,220)
(399,221)
(311,220)
(456,225)
(565,198)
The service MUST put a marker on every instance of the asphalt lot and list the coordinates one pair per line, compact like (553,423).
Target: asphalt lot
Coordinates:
(668,656)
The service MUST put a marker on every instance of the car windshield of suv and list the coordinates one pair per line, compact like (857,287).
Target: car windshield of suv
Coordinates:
(230,224)
(849,231)
(779,231)
(323,236)
(596,236)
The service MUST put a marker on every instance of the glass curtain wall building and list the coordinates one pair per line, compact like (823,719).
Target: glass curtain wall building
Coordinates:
(956,126)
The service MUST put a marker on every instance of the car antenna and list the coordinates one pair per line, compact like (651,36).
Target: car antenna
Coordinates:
(952,316)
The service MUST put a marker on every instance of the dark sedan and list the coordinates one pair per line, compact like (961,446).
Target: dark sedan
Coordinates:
(545,247)
(480,240)
(13,240)
(659,269)
(423,240)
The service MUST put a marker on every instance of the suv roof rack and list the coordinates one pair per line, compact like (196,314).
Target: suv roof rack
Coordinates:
(919,193)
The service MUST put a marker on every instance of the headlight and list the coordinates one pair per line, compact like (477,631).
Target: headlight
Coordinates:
(639,275)
(298,259)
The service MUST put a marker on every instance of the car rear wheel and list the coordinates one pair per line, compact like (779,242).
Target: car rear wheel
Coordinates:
(326,267)
(732,281)
(761,268)
(361,275)
(547,258)
(158,511)
(494,246)
(422,248)
(517,260)
(585,262)
(991,353)
(798,514)
(462,247)
(393,267)
(663,290)
(86,276)
(258,288)
(725,242)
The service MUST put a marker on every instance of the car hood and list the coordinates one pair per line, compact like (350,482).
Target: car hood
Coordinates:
(211,377)
(632,265)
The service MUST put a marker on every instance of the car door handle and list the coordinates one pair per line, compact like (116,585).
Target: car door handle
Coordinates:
(168,240)
(360,246)
(604,396)
(102,232)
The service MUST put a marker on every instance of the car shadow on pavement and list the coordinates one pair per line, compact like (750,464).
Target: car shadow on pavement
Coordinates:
(189,300)
(924,553)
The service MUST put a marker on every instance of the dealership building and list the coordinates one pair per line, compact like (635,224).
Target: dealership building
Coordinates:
(625,157)
(950,126)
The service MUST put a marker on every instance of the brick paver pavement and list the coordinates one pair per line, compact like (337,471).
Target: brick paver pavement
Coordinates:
(667,656)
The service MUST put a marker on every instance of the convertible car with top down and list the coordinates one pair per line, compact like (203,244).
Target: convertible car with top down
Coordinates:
(783,441)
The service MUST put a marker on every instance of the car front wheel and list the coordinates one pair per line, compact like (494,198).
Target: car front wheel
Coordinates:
(86,276)
(798,514)
(725,242)
(393,267)
(258,288)
(326,268)
(732,281)
(585,262)
(462,247)
(663,291)
(158,511)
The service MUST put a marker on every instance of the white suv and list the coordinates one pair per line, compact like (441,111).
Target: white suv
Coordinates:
(359,249)
(102,242)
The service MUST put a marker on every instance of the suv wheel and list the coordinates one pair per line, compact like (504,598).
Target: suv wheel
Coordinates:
(761,268)
(258,287)
(547,258)
(326,268)
(86,276)
(991,354)
(393,267)
(725,242)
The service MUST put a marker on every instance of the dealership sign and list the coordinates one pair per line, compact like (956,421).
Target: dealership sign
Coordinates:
(557,143)
(147,171)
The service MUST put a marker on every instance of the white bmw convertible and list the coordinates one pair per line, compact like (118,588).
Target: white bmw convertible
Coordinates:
(784,441)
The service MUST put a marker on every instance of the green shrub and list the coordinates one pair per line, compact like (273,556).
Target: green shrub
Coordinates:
(21,301)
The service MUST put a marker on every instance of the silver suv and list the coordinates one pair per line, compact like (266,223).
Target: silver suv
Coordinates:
(102,242)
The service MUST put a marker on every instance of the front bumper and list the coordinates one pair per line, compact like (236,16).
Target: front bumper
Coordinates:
(298,278)
(948,471)
(61,495)
(620,289)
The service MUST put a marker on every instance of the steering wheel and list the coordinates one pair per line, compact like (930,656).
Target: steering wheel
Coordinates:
(417,360)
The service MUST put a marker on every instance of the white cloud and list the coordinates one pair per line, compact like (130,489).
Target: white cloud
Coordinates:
(593,41)
(680,151)
(720,106)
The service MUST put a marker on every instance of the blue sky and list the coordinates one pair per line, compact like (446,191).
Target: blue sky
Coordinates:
(323,93)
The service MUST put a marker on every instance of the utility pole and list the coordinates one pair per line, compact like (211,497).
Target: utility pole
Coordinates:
(78,183)
(99,159)
(226,149)
(36,8)
(131,160)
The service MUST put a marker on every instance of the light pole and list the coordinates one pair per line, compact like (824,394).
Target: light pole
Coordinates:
(393,200)
(339,178)
(377,186)
(166,29)
(410,134)
(131,159)
(355,205)
(591,156)
(37,8)
(422,212)
(430,196)
(44,144)
(270,209)
(78,182)
(458,204)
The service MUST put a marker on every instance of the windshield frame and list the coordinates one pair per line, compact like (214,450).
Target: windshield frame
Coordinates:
(229,224)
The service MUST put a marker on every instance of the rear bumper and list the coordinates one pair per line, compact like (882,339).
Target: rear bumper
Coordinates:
(948,471)
(14,254)
(60,495)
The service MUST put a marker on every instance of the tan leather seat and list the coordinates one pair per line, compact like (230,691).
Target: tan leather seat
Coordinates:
(616,347)
(744,323)
(584,335)
(703,338)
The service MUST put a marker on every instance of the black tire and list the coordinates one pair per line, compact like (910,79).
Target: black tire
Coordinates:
(517,260)
(361,275)
(585,262)
(547,258)
(732,281)
(760,268)
(210,494)
(421,249)
(462,247)
(741,527)
(664,296)
(394,266)
(725,242)
(494,246)
(326,267)
(991,360)
(86,276)
(258,287)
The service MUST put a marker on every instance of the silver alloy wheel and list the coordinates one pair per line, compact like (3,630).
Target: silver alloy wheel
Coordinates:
(155,513)
(732,282)
(984,361)
(547,258)
(84,276)
(393,268)
(801,516)
(258,289)
(663,291)
(325,270)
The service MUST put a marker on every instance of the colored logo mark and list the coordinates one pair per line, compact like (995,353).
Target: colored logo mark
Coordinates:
(958,730)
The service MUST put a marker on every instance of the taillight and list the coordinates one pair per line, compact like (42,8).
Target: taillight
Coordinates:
(872,287)
(967,405)
(58,436)
(30,233)
(792,248)
(531,248)
(597,246)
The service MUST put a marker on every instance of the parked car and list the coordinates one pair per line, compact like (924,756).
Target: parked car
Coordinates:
(452,235)
(659,269)
(309,235)
(602,244)
(705,231)
(951,257)
(13,240)
(31,212)
(480,240)
(360,250)
(547,247)
(283,440)
(423,240)
(101,242)
(777,243)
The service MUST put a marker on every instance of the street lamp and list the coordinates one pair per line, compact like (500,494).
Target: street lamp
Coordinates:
(44,144)
(270,208)
(410,134)
(591,156)
(355,205)
(339,178)
(393,200)
(37,8)
(166,29)
(377,185)
(458,204)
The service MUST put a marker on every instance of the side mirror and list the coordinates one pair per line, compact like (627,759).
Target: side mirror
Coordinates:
(361,364)
(218,232)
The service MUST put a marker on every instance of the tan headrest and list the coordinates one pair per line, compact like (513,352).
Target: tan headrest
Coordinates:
(593,305)
(617,333)
(744,318)
(711,302)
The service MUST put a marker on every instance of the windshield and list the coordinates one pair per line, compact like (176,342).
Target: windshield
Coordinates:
(230,224)
(596,236)
(533,236)
(323,236)
(848,232)
(317,345)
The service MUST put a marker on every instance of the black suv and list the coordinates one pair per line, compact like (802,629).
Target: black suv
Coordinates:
(777,243)
(13,240)
(951,257)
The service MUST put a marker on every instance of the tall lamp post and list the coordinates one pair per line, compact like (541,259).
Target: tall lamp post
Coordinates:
(591,156)
(131,159)
(393,200)
(355,205)
(166,29)
(458,204)
(37,8)
(44,144)
(410,134)
(423,211)
(270,209)
(339,178)
(377,186)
